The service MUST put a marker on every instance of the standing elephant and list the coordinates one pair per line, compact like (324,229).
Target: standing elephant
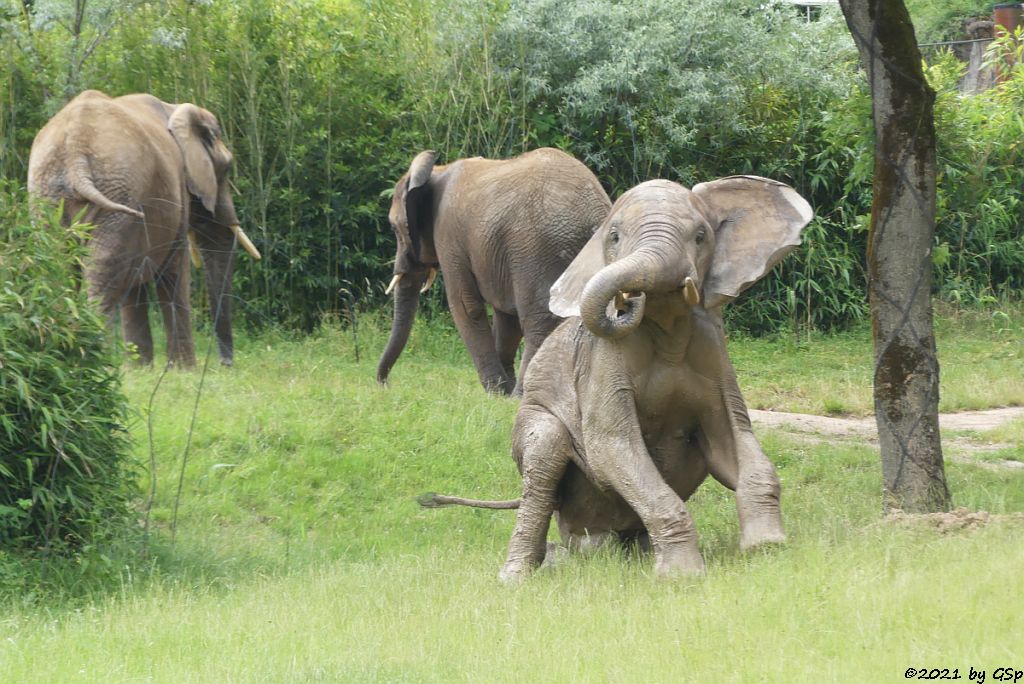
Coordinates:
(501,232)
(631,405)
(148,175)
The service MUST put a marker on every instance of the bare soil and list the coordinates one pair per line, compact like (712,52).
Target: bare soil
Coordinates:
(960,519)
(959,446)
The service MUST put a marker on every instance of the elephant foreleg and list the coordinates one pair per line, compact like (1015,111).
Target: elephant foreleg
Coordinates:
(737,461)
(618,458)
(135,322)
(542,448)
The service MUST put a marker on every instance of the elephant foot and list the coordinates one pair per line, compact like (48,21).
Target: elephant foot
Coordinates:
(500,385)
(764,531)
(514,573)
(679,561)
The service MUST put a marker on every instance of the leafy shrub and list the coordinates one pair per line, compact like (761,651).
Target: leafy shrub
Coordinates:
(699,90)
(980,254)
(66,482)
(979,251)
(940,20)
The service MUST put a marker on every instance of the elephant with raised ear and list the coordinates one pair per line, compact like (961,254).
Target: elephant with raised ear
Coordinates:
(149,176)
(501,232)
(632,401)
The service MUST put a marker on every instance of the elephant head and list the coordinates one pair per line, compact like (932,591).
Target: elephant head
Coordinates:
(705,245)
(214,225)
(416,263)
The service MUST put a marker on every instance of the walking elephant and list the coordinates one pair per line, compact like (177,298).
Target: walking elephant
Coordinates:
(148,175)
(501,232)
(632,401)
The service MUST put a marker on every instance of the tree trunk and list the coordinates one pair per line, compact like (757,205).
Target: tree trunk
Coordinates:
(906,380)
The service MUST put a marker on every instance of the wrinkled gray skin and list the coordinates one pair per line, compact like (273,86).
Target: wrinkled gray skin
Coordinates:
(624,415)
(501,232)
(145,173)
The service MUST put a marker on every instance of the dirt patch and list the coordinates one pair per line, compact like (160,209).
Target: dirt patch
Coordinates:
(952,521)
(866,427)
(818,429)
(817,425)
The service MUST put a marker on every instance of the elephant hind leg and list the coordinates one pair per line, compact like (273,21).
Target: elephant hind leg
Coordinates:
(470,314)
(507,335)
(135,322)
(542,448)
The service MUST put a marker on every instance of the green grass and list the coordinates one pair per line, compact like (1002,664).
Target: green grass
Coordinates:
(301,555)
(981,363)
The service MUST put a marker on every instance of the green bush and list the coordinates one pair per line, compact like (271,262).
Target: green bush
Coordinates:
(66,481)
(640,90)
(980,250)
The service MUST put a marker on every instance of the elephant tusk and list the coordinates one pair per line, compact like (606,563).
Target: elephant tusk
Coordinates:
(430,280)
(193,251)
(690,292)
(394,281)
(245,242)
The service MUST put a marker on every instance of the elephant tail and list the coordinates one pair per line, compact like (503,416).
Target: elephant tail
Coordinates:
(432,500)
(80,180)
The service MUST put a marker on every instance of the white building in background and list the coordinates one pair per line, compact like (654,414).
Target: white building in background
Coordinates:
(812,8)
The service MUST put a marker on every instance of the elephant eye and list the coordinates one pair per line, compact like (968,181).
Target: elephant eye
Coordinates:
(701,234)
(613,237)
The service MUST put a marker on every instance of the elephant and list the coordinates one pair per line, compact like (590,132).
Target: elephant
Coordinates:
(501,232)
(151,177)
(632,401)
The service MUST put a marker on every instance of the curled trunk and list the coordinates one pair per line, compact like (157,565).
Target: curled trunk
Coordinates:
(626,275)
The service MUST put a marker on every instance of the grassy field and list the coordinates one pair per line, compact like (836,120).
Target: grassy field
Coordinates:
(299,553)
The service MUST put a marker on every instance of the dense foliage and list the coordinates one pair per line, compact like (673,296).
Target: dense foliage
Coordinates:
(944,20)
(324,103)
(66,481)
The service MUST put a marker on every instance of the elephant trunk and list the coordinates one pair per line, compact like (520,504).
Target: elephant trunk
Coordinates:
(634,275)
(407,300)
(218,265)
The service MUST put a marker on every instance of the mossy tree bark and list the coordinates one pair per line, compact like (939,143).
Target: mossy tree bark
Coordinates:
(899,259)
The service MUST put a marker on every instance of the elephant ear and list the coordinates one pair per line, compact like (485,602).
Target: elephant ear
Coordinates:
(415,197)
(420,169)
(758,222)
(195,138)
(567,290)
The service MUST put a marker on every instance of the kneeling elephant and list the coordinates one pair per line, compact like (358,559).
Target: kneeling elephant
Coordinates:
(632,401)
